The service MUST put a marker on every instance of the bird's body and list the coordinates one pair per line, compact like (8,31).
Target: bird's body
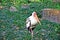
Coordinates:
(32,21)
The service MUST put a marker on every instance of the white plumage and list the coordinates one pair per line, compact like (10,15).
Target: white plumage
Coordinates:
(32,21)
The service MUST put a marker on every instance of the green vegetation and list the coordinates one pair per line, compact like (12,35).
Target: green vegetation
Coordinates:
(12,23)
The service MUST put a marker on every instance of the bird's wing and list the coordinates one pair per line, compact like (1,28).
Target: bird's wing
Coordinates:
(28,22)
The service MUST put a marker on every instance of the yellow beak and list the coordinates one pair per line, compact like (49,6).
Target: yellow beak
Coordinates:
(39,22)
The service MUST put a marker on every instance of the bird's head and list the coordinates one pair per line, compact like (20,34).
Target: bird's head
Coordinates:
(34,14)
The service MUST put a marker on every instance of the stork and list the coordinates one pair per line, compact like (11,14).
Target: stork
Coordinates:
(31,22)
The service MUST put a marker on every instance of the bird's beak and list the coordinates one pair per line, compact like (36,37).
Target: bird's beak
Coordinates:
(39,22)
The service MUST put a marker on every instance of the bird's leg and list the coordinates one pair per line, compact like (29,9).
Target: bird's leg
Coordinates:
(32,35)
(31,32)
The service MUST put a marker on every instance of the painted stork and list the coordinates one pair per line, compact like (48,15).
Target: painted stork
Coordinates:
(31,22)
